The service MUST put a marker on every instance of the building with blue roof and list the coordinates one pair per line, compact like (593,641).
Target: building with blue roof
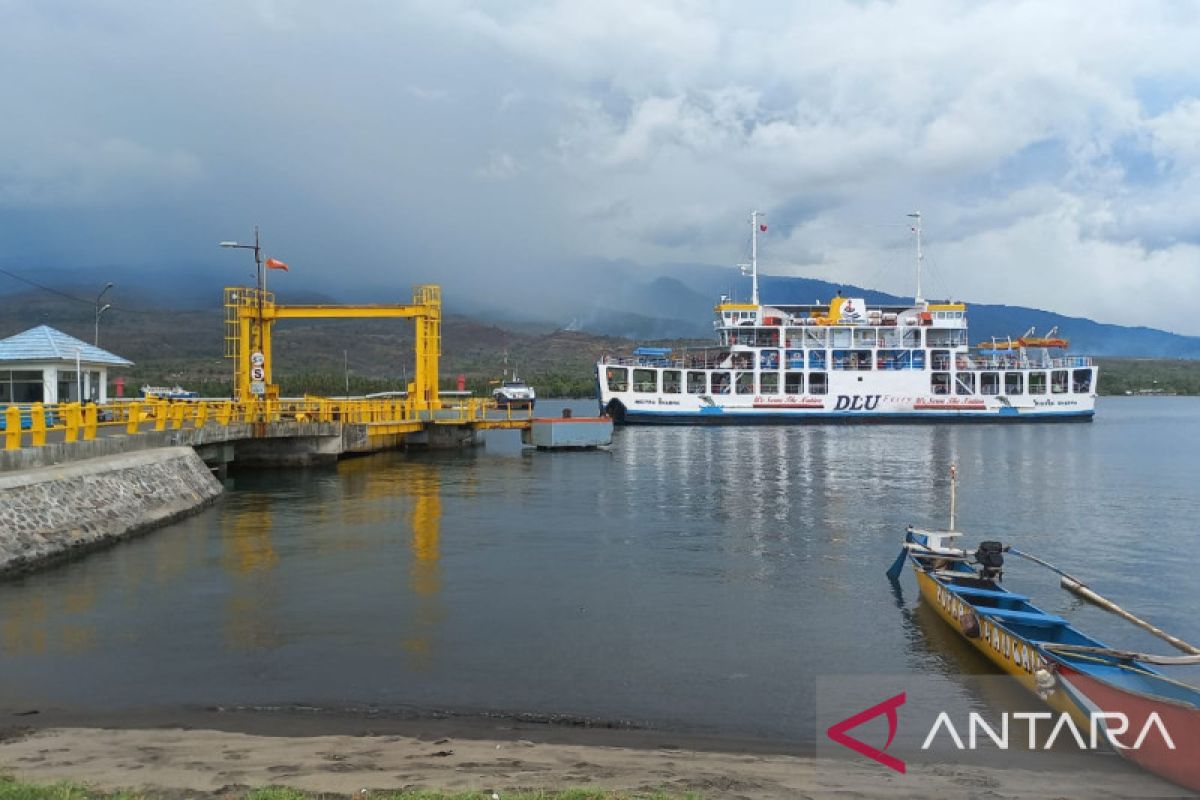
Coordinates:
(44,365)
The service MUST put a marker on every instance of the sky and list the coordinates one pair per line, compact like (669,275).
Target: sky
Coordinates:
(509,149)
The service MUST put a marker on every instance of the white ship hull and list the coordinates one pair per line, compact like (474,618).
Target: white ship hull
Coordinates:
(850,397)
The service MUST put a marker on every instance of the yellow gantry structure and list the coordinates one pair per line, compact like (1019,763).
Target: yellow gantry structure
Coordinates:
(251,313)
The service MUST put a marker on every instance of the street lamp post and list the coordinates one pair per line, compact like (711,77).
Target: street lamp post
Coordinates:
(100,309)
(261,279)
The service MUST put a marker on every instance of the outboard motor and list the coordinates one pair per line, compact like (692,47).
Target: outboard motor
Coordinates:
(990,558)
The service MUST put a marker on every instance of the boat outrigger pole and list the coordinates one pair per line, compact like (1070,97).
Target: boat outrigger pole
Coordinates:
(1078,587)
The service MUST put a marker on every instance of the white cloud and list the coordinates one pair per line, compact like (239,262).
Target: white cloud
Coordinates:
(1049,145)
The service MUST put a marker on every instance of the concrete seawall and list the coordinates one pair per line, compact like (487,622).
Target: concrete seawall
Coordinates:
(52,513)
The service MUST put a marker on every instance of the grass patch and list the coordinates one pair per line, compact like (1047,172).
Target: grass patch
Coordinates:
(15,790)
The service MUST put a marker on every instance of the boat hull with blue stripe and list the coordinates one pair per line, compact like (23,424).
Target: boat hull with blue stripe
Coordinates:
(1071,671)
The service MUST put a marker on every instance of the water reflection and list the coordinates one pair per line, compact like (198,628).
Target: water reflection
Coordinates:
(691,576)
(249,557)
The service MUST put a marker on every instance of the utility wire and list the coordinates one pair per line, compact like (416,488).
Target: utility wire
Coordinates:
(83,300)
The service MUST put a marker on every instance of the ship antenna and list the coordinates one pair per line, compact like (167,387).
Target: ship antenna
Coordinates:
(753,265)
(920,256)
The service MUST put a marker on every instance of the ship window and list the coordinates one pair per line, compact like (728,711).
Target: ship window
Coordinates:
(671,381)
(889,337)
(865,337)
(964,383)
(793,382)
(912,338)
(1058,381)
(814,337)
(1037,383)
(720,383)
(618,379)
(767,338)
(795,358)
(940,359)
(768,383)
(852,359)
(893,359)
(840,337)
(939,382)
(818,383)
(989,383)
(645,380)
(768,359)
(697,382)
(1083,381)
(816,359)
(1012,383)
(745,383)
(918,358)
(937,337)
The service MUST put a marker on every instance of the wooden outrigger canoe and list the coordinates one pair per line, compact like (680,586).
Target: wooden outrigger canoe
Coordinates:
(1071,671)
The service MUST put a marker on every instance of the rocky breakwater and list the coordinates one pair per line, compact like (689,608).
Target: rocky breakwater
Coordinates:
(50,513)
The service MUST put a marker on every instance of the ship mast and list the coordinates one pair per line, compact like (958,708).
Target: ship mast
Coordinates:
(753,265)
(920,256)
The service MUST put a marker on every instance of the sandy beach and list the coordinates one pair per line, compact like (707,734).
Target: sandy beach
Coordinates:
(176,761)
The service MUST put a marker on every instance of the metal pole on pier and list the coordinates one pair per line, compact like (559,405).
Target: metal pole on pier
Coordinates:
(953,493)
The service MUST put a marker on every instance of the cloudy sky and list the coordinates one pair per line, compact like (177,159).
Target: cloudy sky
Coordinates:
(1052,147)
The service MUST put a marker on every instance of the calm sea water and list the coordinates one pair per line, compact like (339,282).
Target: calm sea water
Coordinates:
(691,578)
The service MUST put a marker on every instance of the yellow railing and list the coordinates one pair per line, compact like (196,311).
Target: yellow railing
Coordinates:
(33,425)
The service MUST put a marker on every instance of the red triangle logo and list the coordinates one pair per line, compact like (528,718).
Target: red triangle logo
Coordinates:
(838,732)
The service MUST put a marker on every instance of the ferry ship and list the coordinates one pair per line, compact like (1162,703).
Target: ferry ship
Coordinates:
(845,361)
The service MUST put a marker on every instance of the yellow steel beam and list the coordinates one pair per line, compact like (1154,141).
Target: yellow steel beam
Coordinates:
(342,312)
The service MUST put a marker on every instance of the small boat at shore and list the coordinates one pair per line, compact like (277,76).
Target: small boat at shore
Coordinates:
(1071,671)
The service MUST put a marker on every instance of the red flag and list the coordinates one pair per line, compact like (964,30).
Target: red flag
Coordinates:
(762,228)
(274,263)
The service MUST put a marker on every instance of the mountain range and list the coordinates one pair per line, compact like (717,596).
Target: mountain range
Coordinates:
(608,299)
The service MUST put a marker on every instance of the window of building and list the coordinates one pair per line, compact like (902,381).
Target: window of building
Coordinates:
(671,381)
(1013,383)
(768,383)
(697,382)
(618,379)
(989,383)
(645,380)
(964,383)
(27,386)
(793,382)
(68,387)
(1058,381)
(818,383)
(1037,383)
(745,383)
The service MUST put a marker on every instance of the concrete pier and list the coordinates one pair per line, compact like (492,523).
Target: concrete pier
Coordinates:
(51,513)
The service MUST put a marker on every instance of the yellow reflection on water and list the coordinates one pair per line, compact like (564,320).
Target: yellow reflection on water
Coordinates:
(249,556)
(423,484)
